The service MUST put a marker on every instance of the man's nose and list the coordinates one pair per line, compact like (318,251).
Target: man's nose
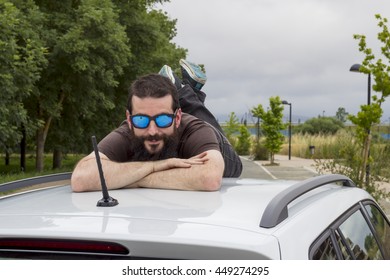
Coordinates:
(152,129)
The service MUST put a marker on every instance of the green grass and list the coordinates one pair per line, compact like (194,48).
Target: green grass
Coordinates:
(12,171)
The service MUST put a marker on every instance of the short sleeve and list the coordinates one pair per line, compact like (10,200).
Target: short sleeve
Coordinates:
(197,137)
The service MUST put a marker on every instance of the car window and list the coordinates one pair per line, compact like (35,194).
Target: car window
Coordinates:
(359,238)
(344,249)
(352,237)
(381,226)
(325,251)
(328,251)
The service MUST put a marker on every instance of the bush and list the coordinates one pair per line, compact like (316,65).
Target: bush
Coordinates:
(259,151)
(320,125)
(244,141)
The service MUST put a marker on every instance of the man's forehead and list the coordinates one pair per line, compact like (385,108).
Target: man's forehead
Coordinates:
(152,103)
(165,99)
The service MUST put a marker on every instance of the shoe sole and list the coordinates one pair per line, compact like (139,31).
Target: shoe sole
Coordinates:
(191,72)
(168,72)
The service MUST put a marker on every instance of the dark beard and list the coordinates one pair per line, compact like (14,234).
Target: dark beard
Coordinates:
(169,149)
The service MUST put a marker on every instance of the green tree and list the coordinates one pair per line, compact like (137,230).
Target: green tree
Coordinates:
(94,50)
(271,125)
(371,114)
(232,127)
(88,50)
(22,58)
(341,114)
(149,34)
(244,141)
(319,125)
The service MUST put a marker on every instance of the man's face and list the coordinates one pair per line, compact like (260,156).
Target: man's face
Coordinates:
(153,137)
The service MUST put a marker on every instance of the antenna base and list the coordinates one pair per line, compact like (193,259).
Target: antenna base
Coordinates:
(107,202)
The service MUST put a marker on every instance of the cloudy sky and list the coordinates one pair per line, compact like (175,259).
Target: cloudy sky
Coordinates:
(300,50)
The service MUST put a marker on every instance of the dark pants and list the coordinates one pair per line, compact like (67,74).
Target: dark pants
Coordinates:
(192,103)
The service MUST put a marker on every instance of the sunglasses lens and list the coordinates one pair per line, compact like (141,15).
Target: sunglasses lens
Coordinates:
(140,121)
(164,120)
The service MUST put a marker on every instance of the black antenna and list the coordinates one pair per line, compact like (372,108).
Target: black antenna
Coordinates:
(106,201)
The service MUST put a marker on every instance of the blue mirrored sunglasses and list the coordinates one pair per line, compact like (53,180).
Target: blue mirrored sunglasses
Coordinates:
(161,121)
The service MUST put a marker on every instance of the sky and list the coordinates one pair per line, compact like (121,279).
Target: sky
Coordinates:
(299,50)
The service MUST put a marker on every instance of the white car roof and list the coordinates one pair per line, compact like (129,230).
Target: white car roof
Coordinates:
(180,224)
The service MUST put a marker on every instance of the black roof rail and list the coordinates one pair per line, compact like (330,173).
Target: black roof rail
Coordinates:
(34,181)
(276,210)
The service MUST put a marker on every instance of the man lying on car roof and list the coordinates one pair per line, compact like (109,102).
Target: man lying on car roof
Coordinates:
(169,140)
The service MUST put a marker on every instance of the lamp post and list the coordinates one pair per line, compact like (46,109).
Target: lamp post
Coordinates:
(356,68)
(284,102)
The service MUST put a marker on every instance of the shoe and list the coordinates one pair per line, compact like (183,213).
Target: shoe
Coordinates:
(166,71)
(192,74)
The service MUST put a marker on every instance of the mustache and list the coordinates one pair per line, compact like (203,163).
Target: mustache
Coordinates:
(153,138)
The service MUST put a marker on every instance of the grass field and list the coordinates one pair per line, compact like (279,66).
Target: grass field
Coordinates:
(12,171)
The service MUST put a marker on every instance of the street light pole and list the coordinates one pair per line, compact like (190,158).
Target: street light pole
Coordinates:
(356,68)
(284,102)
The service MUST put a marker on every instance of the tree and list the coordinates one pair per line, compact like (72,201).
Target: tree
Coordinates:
(271,125)
(341,114)
(232,127)
(21,62)
(244,141)
(147,35)
(150,34)
(371,114)
(93,50)
(88,50)
(320,125)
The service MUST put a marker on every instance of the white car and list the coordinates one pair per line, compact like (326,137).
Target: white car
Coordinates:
(247,219)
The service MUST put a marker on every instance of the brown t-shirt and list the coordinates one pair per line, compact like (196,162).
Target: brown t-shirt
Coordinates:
(195,137)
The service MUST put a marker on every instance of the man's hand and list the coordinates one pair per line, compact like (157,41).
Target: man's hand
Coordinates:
(201,172)
(170,163)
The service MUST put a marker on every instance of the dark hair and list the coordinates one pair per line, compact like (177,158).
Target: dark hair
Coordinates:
(153,85)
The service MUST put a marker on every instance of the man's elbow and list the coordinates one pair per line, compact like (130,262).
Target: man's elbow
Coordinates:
(212,182)
(77,183)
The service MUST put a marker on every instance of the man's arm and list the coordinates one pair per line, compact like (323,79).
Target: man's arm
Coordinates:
(85,176)
(202,177)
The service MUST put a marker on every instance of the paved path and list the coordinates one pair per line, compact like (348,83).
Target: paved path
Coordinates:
(294,169)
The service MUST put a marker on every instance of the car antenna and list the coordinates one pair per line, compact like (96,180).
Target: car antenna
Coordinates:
(106,201)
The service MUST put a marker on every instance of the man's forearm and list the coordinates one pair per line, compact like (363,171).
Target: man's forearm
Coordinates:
(85,177)
(206,177)
(194,178)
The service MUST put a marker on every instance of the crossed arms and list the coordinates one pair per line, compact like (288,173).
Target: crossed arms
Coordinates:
(202,172)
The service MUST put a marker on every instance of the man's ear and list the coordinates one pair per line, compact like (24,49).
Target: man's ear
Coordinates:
(128,119)
(178,117)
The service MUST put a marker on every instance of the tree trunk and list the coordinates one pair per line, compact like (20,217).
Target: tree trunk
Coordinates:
(365,168)
(41,140)
(39,160)
(23,150)
(7,157)
(57,158)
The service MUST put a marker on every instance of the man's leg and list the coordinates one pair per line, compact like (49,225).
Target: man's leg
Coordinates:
(191,98)
(192,102)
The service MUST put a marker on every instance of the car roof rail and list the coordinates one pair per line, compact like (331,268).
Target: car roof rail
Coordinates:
(276,210)
(15,185)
